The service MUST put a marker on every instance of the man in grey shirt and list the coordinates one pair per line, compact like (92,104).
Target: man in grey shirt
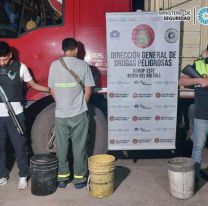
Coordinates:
(71,121)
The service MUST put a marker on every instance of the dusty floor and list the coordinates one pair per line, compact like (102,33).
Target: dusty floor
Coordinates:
(144,182)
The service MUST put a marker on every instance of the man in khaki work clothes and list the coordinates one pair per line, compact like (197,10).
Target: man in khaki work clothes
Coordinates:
(71,121)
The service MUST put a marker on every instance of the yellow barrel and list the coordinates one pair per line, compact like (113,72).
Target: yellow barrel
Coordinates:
(101,175)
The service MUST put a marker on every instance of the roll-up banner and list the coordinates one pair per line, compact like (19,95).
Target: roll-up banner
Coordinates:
(142,90)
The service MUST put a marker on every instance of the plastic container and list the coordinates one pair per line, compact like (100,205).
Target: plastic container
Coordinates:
(43,168)
(101,175)
(181,175)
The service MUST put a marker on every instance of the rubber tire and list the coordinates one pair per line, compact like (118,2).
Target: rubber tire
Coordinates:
(41,130)
(44,123)
(99,131)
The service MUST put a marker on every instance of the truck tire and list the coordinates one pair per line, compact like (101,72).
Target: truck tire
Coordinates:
(98,131)
(43,135)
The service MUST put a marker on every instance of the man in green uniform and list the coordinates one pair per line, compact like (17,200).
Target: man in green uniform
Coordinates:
(71,121)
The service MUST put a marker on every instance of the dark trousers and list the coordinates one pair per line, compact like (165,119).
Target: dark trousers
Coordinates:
(7,129)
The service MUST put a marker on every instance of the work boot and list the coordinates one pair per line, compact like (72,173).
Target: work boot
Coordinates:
(62,184)
(80,185)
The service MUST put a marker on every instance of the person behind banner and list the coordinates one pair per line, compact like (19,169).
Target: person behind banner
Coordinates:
(200,126)
(12,76)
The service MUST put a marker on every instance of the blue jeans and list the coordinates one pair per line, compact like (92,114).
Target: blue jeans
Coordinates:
(199,140)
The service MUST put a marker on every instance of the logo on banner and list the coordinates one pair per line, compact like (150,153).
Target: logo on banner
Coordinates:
(137,141)
(119,141)
(111,95)
(134,141)
(157,140)
(115,35)
(125,19)
(202,15)
(142,95)
(118,95)
(112,141)
(136,129)
(141,106)
(158,95)
(111,118)
(142,82)
(157,118)
(143,36)
(135,95)
(135,118)
(171,35)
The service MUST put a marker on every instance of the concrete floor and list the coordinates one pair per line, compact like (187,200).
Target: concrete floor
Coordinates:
(144,182)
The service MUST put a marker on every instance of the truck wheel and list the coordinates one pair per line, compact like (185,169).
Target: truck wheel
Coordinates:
(98,132)
(43,135)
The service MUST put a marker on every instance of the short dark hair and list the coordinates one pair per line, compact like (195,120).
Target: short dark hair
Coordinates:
(4,49)
(69,44)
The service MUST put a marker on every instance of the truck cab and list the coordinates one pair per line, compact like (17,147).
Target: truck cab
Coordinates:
(35,35)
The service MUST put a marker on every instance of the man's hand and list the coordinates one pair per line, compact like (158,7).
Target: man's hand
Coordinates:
(203,82)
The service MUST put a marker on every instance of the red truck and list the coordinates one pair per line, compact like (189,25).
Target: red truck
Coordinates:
(36,41)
